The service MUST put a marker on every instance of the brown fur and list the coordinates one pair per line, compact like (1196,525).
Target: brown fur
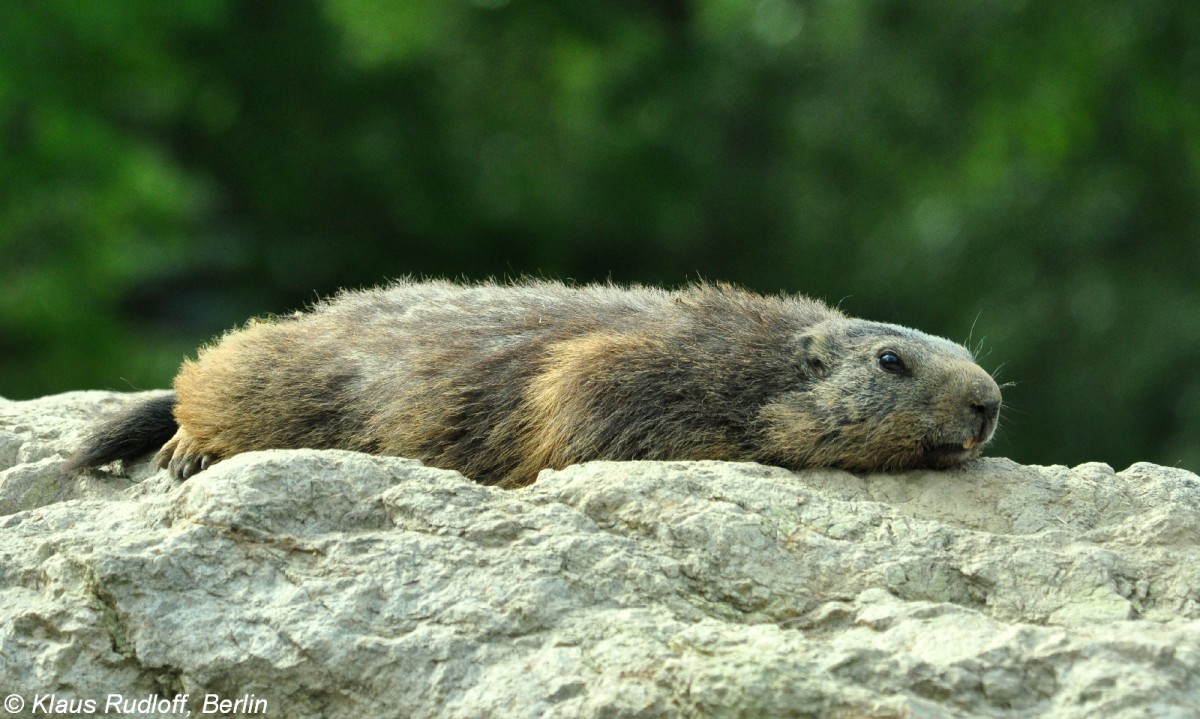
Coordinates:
(501,381)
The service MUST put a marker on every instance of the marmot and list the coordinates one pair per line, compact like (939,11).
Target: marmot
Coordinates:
(500,381)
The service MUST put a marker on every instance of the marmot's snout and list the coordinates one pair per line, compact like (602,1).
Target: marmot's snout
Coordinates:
(978,397)
(970,411)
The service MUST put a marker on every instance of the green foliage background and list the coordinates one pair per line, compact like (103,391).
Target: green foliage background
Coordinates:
(1022,174)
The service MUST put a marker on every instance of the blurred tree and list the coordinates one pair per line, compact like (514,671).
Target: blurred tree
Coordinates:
(1021,174)
(91,200)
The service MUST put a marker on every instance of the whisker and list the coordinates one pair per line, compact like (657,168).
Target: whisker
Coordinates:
(971,332)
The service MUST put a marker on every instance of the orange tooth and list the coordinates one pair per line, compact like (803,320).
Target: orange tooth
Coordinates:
(970,443)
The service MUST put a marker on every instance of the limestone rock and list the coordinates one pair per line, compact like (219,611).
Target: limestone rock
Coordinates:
(343,585)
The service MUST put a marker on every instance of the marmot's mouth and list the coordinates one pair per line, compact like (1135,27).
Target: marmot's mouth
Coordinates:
(948,454)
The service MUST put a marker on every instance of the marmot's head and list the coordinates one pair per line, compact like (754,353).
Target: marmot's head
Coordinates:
(874,396)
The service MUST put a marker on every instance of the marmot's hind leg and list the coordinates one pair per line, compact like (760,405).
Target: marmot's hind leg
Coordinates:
(183,456)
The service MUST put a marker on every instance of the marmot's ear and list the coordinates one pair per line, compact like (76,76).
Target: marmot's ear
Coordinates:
(815,352)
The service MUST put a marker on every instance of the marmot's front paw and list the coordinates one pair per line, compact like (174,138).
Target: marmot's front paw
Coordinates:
(183,457)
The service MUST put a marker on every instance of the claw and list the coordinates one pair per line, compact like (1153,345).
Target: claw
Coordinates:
(183,457)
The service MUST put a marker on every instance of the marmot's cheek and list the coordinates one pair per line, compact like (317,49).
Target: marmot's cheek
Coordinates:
(800,432)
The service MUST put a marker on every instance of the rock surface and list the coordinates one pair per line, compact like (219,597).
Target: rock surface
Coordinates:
(337,584)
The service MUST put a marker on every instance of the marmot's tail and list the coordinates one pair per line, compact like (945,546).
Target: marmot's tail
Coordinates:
(144,427)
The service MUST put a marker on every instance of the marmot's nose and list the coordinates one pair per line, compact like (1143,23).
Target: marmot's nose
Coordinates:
(984,400)
(983,394)
(987,409)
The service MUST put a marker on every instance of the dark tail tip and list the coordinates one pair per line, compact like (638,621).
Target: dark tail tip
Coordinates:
(143,427)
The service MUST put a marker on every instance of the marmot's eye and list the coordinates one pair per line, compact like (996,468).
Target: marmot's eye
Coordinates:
(889,361)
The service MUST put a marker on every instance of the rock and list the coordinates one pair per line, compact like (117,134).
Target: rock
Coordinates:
(337,584)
